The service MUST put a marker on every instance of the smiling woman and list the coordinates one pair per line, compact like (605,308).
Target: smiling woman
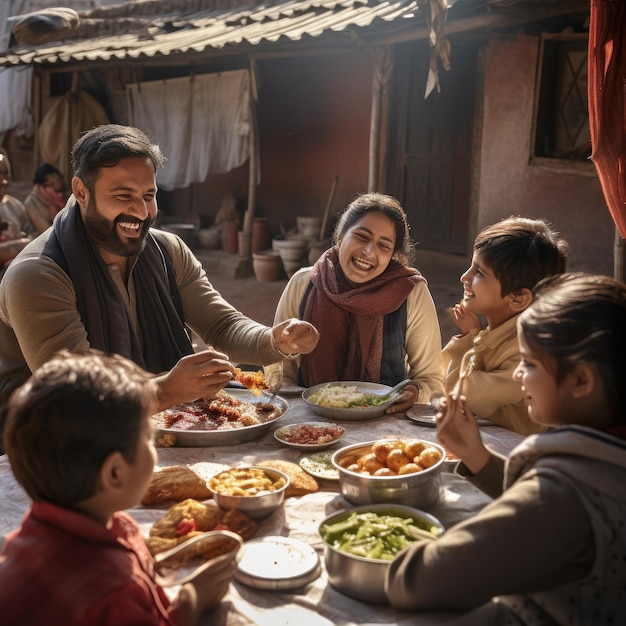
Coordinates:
(375,314)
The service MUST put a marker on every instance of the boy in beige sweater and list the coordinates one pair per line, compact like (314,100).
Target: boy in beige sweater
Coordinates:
(509,258)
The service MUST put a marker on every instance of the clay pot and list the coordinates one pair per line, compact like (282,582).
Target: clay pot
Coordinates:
(291,242)
(260,234)
(245,244)
(316,248)
(309,227)
(267,266)
(208,238)
(229,237)
(293,259)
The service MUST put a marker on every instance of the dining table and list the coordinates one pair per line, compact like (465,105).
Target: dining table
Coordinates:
(317,603)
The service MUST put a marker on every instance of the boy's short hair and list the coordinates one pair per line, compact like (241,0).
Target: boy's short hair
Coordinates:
(521,251)
(72,413)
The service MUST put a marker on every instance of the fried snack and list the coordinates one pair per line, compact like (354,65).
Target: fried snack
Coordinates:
(414,447)
(428,457)
(238,522)
(384,471)
(167,441)
(410,468)
(397,459)
(188,515)
(301,482)
(382,448)
(190,518)
(254,381)
(176,483)
(402,456)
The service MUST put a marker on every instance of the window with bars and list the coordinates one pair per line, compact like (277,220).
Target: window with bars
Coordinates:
(561,122)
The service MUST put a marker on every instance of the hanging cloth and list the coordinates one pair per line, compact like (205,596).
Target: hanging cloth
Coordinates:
(607,103)
(202,123)
(72,115)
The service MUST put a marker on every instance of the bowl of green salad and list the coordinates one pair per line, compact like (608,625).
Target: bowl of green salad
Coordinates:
(360,543)
(349,400)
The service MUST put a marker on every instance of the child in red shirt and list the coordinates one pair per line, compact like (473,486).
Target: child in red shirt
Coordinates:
(80,441)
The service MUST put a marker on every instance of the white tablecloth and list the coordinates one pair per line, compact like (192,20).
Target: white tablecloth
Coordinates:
(317,603)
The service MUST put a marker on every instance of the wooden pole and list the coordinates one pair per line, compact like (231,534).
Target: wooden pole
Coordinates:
(382,73)
(331,197)
(372,178)
(253,169)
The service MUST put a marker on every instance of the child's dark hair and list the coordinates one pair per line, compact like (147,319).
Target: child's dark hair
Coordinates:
(43,171)
(404,249)
(580,317)
(521,251)
(72,413)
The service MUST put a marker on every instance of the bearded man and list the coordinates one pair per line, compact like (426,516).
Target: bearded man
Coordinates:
(101,277)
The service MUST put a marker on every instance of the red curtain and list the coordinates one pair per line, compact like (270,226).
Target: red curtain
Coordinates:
(607,102)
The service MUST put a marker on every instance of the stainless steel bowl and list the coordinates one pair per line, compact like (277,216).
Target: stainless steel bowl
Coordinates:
(420,490)
(196,438)
(359,577)
(256,507)
(352,414)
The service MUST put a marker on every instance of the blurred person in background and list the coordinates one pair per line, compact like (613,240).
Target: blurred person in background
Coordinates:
(47,197)
(14,223)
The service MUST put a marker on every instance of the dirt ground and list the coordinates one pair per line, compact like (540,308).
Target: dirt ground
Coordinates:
(258,300)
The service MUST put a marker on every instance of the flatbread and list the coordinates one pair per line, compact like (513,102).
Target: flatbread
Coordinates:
(238,522)
(301,482)
(161,544)
(174,484)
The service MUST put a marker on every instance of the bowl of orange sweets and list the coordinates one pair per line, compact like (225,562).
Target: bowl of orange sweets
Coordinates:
(391,470)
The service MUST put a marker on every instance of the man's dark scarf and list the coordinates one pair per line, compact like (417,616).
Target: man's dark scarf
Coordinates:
(100,304)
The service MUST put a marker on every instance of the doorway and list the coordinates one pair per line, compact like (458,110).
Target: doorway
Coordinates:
(430,142)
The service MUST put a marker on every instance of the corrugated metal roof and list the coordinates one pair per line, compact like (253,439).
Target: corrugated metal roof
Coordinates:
(174,35)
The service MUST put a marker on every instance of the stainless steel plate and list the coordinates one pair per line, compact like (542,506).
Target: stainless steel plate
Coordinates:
(199,438)
(352,414)
(423,414)
(277,563)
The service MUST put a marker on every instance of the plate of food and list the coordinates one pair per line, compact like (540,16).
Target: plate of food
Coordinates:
(230,418)
(310,435)
(349,400)
(320,465)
